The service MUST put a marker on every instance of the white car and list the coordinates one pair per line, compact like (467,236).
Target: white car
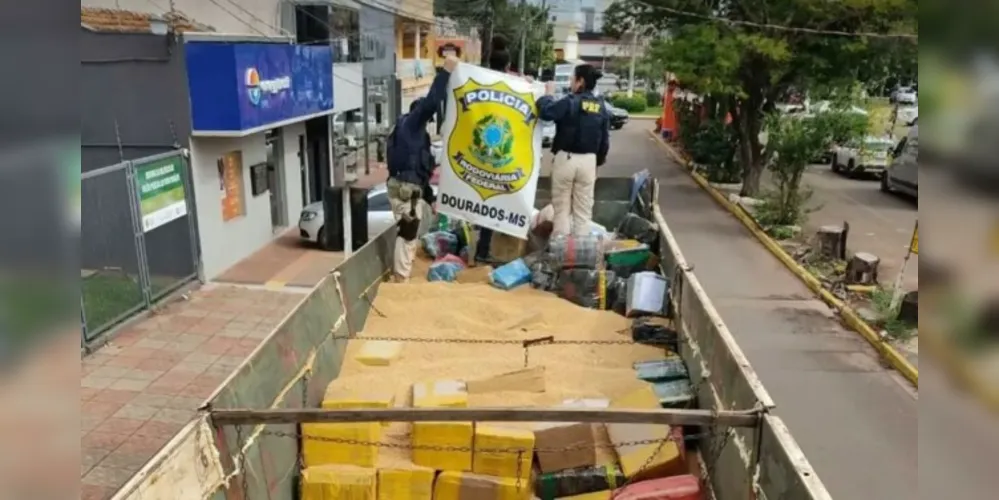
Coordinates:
(907,115)
(312,220)
(869,155)
(905,95)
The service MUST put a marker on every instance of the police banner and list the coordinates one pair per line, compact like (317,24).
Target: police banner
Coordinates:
(492,149)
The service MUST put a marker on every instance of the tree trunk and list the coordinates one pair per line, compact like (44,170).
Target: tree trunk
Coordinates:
(750,148)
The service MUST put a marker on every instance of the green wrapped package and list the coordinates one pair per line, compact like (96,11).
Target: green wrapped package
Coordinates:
(662,370)
(674,393)
(579,481)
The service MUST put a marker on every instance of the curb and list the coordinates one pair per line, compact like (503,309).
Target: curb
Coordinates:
(849,317)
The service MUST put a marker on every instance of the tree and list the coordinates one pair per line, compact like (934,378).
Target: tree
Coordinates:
(510,19)
(715,52)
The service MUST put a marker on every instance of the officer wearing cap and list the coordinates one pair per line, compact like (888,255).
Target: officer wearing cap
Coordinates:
(581,143)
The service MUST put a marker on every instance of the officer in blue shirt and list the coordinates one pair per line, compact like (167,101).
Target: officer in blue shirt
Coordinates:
(410,165)
(581,143)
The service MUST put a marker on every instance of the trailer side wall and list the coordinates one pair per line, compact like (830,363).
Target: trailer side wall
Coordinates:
(293,366)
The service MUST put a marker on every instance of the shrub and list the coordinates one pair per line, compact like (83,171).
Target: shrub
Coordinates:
(712,145)
(653,99)
(635,104)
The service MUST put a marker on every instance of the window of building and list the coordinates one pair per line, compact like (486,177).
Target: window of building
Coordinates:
(345,31)
(589,20)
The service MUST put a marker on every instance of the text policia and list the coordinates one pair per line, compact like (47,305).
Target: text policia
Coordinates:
(481,209)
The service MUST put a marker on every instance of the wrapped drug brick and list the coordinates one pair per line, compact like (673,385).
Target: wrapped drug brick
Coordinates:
(577,252)
(682,487)
(659,454)
(339,481)
(349,444)
(443,445)
(586,287)
(634,227)
(406,483)
(503,451)
(579,481)
(452,485)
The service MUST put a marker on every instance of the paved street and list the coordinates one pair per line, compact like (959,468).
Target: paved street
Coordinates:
(139,390)
(880,223)
(856,421)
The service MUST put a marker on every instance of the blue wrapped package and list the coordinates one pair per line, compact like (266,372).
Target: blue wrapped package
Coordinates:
(445,269)
(440,243)
(511,275)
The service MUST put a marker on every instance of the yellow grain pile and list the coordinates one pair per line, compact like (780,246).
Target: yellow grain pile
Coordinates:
(472,309)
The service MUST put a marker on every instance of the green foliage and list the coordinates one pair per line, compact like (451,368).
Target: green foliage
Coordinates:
(634,104)
(791,145)
(755,67)
(510,20)
(841,127)
(653,99)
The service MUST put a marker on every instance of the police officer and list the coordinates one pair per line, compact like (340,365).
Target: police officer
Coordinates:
(581,143)
(410,167)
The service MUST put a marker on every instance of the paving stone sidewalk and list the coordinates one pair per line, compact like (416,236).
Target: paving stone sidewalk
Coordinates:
(145,385)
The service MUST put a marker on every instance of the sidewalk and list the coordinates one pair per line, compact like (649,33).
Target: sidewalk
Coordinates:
(856,421)
(141,388)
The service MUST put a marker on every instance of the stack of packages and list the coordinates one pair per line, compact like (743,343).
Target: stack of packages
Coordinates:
(496,461)
(452,246)
(569,468)
(599,270)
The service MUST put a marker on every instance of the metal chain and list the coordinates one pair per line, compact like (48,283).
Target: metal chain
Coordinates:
(438,340)
(461,449)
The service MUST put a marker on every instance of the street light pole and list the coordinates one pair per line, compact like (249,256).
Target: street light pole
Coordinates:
(523,38)
(631,66)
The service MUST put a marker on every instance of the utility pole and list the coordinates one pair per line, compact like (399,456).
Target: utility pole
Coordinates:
(487,44)
(523,37)
(631,67)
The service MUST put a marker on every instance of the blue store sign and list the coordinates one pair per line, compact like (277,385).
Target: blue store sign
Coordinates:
(237,88)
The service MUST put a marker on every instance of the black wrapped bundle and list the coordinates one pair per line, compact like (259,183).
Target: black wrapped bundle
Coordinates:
(544,270)
(585,287)
(578,481)
(648,332)
(617,295)
(634,227)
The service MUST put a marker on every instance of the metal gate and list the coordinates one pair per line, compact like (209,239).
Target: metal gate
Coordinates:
(139,238)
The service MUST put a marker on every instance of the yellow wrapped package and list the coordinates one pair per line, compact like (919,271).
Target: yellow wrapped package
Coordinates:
(336,399)
(379,352)
(596,495)
(635,459)
(328,482)
(443,435)
(452,485)
(415,483)
(489,460)
(326,444)
(440,394)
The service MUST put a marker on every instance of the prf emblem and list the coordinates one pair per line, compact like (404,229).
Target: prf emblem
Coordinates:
(591,107)
(491,147)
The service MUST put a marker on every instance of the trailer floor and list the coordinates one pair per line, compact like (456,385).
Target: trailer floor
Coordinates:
(856,421)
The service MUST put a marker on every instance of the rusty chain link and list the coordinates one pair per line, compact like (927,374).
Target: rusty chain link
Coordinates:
(465,449)
(442,340)
(240,464)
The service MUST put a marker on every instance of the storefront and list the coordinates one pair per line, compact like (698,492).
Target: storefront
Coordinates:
(252,162)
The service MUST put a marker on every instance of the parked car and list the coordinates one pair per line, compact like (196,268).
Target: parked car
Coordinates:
(618,116)
(904,95)
(902,173)
(312,220)
(907,115)
(858,157)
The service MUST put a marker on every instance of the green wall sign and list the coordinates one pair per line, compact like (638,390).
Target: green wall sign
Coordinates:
(161,192)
